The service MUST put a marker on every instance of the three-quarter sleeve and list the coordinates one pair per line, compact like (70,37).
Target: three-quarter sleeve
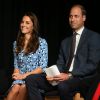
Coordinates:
(43,54)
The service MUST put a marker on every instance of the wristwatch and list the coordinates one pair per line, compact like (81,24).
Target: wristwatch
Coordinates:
(70,75)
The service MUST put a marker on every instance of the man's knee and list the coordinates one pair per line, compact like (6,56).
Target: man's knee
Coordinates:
(31,78)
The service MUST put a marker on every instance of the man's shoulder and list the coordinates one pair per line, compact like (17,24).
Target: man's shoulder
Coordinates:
(67,39)
(92,35)
(90,31)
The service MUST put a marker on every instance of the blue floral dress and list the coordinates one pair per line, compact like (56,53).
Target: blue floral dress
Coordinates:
(27,63)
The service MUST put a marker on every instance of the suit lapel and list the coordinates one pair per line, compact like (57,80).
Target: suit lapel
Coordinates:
(83,38)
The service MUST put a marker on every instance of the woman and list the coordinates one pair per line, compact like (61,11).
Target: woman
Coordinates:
(30,56)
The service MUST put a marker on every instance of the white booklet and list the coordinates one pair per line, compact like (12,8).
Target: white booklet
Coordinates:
(52,71)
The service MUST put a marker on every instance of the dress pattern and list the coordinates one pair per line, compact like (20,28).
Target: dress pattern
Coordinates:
(27,63)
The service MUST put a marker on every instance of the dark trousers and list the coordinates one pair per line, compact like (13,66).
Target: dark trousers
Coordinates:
(36,85)
(38,82)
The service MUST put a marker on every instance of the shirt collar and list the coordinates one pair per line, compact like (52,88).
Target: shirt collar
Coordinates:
(80,30)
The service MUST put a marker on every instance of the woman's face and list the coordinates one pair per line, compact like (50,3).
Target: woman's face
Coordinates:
(26,25)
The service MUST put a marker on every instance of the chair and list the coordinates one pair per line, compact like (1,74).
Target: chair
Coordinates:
(78,96)
(53,95)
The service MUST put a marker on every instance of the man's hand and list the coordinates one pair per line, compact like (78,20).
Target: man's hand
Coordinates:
(61,77)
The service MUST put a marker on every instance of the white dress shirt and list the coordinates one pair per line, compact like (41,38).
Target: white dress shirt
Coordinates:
(79,32)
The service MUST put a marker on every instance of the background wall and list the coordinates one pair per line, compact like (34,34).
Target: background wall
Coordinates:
(53,18)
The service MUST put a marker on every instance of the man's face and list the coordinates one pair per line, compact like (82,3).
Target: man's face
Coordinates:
(76,18)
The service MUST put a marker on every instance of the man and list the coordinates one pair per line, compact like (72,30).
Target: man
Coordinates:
(77,72)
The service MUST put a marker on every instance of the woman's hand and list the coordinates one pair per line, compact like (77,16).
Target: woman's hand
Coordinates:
(18,76)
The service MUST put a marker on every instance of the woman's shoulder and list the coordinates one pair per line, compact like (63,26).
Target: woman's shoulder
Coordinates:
(42,40)
(14,44)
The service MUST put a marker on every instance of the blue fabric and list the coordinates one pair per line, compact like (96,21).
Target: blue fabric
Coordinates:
(27,63)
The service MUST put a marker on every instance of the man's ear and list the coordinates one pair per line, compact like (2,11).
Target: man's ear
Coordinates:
(84,17)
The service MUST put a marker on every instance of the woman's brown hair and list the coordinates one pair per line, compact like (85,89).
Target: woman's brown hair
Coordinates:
(33,43)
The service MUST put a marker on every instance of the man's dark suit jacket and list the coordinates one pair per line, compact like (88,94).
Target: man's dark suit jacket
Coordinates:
(87,54)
